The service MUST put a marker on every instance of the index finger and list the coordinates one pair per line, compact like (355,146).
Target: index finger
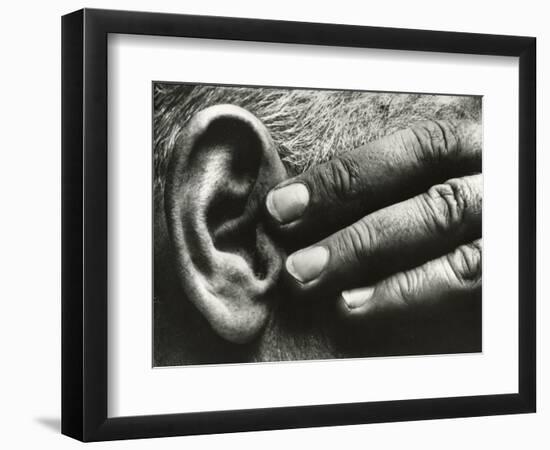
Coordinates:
(380,173)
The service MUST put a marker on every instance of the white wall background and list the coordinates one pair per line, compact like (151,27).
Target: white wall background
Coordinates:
(30,224)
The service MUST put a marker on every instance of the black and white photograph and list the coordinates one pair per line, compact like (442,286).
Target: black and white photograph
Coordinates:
(295,224)
(275,225)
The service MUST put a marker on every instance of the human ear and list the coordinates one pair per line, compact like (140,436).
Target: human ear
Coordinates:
(221,168)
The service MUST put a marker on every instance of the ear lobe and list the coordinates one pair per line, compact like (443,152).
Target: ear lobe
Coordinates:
(220,171)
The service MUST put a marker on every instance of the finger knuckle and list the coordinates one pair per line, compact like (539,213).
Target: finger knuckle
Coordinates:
(343,178)
(435,140)
(357,240)
(446,204)
(405,286)
(465,263)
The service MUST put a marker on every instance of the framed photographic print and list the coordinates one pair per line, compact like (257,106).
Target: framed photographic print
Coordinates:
(274,224)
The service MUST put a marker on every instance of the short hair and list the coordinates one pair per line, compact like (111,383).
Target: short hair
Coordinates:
(309,126)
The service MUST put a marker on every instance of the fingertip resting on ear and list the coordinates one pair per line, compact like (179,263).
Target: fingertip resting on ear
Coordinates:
(221,168)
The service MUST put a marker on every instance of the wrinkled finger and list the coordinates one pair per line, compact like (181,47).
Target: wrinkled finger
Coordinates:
(378,174)
(456,275)
(393,239)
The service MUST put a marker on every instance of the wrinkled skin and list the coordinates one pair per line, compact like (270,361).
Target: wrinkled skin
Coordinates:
(308,323)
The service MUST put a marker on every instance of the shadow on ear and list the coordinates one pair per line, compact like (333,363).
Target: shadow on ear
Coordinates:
(222,167)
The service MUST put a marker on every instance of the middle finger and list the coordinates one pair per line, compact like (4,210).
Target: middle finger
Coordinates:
(395,238)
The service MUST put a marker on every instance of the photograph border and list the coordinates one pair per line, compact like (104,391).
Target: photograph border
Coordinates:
(85,232)
(276,87)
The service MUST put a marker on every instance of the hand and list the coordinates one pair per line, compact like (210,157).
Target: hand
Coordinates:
(405,218)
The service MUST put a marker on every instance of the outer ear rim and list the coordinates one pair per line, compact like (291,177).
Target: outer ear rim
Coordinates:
(233,327)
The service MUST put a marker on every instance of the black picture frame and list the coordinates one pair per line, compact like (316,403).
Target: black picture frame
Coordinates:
(84,224)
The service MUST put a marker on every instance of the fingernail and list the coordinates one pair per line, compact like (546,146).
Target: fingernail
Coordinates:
(355,298)
(306,265)
(288,203)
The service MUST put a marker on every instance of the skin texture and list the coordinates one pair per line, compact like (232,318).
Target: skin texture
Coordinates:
(379,229)
(318,325)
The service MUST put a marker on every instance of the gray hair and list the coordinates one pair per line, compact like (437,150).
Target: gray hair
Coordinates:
(308,126)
